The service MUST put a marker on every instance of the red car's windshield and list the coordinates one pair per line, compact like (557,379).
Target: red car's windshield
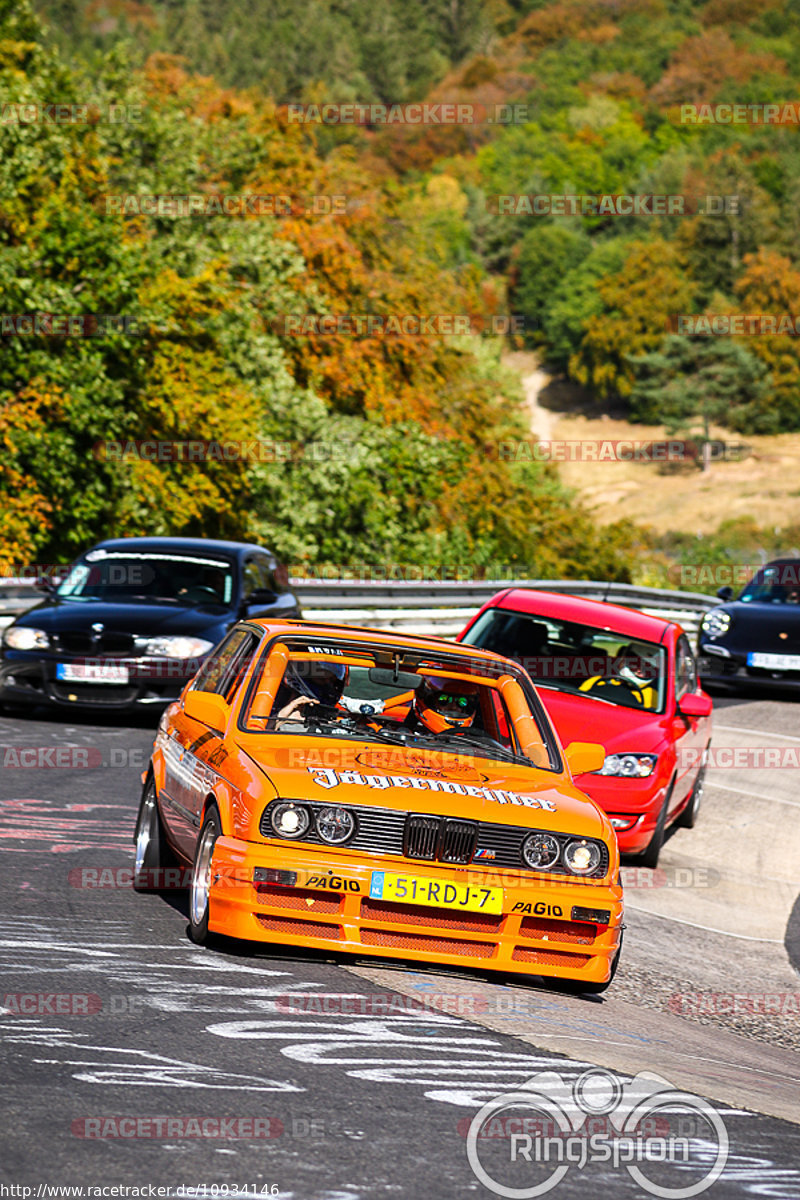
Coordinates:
(572,657)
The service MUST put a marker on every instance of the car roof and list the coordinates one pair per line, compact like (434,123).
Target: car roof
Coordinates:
(177,544)
(385,637)
(613,617)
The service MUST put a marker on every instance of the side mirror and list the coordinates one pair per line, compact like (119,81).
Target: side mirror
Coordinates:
(695,704)
(260,596)
(46,585)
(725,593)
(208,708)
(583,757)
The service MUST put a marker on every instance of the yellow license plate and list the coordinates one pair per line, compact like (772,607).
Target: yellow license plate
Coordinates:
(433,893)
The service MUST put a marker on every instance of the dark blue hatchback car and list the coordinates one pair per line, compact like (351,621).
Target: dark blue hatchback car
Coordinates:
(134,618)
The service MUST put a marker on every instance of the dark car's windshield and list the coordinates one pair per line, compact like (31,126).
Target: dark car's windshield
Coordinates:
(778,583)
(572,657)
(123,576)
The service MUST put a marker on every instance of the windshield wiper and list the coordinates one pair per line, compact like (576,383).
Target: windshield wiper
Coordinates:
(490,747)
(553,687)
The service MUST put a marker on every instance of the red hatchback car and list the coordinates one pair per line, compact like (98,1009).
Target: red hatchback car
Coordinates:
(616,676)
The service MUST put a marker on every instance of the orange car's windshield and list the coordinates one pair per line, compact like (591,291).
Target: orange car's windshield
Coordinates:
(348,689)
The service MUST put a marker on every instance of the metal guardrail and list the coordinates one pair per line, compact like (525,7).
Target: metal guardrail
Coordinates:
(429,606)
(444,607)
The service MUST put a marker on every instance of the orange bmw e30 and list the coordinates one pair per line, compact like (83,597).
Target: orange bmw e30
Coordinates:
(381,794)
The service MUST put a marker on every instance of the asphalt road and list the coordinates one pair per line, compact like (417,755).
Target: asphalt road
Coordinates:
(132,1058)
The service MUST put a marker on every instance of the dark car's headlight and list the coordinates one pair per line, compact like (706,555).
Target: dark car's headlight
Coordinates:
(716,623)
(178,647)
(629,766)
(24,637)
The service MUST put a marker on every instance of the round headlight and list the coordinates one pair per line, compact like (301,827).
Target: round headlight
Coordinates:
(716,622)
(582,857)
(290,820)
(541,851)
(23,637)
(335,825)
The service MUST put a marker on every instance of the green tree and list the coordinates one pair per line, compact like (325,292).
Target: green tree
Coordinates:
(691,382)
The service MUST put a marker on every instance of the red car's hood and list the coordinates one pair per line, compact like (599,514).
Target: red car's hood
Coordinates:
(582,719)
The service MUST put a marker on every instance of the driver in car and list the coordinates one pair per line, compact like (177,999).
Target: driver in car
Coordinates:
(443,705)
(309,683)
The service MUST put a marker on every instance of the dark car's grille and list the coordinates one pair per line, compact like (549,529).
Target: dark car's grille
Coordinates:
(98,695)
(430,838)
(80,642)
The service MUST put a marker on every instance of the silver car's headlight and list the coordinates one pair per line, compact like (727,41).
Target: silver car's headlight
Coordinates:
(716,622)
(629,766)
(23,637)
(178,647)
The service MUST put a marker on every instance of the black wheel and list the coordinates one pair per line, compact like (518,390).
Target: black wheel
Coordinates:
(649,857)
(577,988)
(200,884)
(153,856)
(688,818)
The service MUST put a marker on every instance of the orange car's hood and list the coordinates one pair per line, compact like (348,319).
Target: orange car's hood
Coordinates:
(404,779)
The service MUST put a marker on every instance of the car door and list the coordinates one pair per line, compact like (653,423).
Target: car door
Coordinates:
(688,731)
(188,777)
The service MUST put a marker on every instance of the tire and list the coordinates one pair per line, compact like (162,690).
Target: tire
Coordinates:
(576,987)
(201,878)
(688,818)
(649,856)
(152,856)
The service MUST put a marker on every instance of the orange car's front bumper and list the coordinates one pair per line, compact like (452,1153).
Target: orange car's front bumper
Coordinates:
(336,912)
